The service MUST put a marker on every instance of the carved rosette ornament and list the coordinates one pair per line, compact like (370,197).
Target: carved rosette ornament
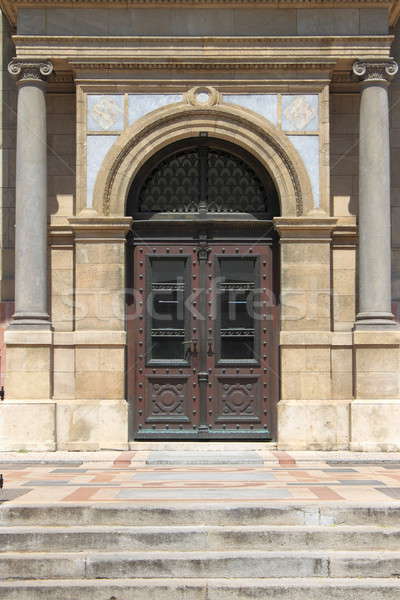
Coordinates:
(202,96)
(372,71)
(25,71)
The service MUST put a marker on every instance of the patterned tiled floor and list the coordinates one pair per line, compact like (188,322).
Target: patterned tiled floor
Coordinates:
(239,474)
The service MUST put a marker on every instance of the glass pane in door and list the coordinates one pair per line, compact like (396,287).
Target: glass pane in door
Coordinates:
(166,304)
(236,297)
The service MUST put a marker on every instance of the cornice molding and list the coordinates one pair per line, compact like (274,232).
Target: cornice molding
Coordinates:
(10,7)
(318,226)
(164,48)
(64,50)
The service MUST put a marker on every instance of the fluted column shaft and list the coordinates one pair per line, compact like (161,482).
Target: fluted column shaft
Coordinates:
(374,231)
(31,288)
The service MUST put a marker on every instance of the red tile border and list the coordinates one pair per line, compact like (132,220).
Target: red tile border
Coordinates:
(124,459)
(325,493)
(81,494)
(284,458)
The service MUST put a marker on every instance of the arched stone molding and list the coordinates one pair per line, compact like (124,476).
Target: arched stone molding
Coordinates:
(225,121)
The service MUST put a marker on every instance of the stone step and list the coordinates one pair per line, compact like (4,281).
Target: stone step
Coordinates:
(245,457)
(120,514)
(209,589)
(187,538)
(168,564)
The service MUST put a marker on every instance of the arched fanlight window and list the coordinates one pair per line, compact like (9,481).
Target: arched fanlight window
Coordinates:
(203,175)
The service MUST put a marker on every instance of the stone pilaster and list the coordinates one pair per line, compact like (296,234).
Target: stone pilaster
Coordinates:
(31,290)
(94,414)
(309,414)
(374,258)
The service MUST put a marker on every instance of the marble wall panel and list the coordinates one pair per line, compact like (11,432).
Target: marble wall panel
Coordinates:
(265,105)
(308,148)
(300,112)
(105,113)
(97,148)
(141,104)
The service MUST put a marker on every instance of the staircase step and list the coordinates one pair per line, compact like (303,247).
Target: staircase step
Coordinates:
(186,538)
(182,458)
(168,564)
(210,589)
(120,514)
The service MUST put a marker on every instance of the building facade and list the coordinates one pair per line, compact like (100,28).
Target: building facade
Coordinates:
(206,199)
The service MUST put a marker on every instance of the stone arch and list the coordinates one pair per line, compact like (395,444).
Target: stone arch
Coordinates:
(225,121)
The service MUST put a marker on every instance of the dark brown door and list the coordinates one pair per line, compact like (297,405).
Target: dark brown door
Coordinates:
(202,352)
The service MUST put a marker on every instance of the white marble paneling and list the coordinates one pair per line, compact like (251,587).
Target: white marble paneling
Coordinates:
(308,148)
(105,113)
(265,105)
(300,113)
(141,104)
(97,148)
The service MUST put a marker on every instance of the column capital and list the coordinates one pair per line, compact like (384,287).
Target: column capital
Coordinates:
(375,71)
(32,70)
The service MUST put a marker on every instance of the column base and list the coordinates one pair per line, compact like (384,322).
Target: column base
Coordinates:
(27,425)
(24,321)
(375,320)
(313,425)
(375,425)
(89,425)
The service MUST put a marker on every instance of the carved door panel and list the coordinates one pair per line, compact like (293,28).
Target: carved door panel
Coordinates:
(166,398)
(240,352)
(202,354)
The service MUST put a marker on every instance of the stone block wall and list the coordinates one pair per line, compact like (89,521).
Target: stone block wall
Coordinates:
(61,155)
(194,21)
(7,187)
(7,173)
(395,174)
(344,125)
(61,112)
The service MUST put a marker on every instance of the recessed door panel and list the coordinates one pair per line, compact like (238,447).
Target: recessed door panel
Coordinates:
(164,352)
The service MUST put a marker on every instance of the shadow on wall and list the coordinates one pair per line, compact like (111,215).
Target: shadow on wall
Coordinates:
(6,313)
(344,141)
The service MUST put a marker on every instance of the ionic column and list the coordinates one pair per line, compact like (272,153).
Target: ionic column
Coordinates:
(31,304)
(374,254)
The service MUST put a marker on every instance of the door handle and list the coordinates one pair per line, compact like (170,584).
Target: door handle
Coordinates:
(192,346)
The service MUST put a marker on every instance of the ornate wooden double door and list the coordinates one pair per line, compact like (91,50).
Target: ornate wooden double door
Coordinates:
(201,358)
